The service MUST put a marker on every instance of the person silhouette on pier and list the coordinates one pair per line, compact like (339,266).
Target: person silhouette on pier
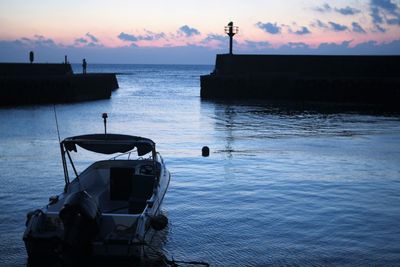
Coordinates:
(31,57)
(84,65)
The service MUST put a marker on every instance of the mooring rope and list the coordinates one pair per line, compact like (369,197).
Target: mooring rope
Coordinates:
(173,262)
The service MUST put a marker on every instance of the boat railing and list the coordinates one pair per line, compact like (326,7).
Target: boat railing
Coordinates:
(130,154)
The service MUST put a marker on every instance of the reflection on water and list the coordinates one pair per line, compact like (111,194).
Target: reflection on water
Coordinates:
(267,120)
(311,184)
(282,186)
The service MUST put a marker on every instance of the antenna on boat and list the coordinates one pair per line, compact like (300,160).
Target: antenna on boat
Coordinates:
(105,116)
(66,177)
(58,131)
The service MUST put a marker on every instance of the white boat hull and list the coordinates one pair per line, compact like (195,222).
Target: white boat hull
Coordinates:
(121,233)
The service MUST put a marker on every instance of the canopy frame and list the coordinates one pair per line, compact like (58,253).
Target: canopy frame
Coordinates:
(103,144)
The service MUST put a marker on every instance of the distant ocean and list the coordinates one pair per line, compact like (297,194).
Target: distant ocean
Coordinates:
(282,187)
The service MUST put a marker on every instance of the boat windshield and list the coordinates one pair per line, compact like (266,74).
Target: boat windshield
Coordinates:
(105,144)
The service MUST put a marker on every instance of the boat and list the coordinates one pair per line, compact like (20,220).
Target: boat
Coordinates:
(111,209)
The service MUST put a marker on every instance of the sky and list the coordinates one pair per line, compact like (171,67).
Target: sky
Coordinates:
(192,31)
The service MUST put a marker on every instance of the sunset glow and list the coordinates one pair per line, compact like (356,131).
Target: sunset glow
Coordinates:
(264,25)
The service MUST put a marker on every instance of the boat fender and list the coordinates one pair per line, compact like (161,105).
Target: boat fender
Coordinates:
(39,244)
(158,222)
(30,214)
(35,223)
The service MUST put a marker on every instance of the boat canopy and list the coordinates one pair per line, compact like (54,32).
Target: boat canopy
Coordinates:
(109,143)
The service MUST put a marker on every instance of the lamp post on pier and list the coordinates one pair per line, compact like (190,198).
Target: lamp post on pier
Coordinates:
(231,30)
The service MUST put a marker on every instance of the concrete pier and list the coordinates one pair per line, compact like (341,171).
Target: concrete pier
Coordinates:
(341,79)
(22,84)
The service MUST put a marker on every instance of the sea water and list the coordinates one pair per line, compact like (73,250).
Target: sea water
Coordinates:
(282,186)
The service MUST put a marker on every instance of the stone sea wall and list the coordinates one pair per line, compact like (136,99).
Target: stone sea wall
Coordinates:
(341,79)
(22,84)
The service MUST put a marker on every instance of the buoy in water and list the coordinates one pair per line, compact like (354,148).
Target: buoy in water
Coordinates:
(205,151)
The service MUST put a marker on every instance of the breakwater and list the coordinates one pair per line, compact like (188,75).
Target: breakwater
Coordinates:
(22,84)
(342,79)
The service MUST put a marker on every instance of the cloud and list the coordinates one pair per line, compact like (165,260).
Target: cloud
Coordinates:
(151,36)
(342,48)
(393,21)
(18,50)
(127,37)
(215,37)
(374,48)
(255,45)
(92,38)
(81,41)
(357,28)
(302,31)
(43,41)
(337,27)
(324,8)
(268,27)
(376,15)
(218,41)
(366,48)
(148,36)
(87,40)
(36,41)
(347,10)
(384,12)
(379,28)
(185,30)
(298,45)
(319,24)
(385,5)
(334,47)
